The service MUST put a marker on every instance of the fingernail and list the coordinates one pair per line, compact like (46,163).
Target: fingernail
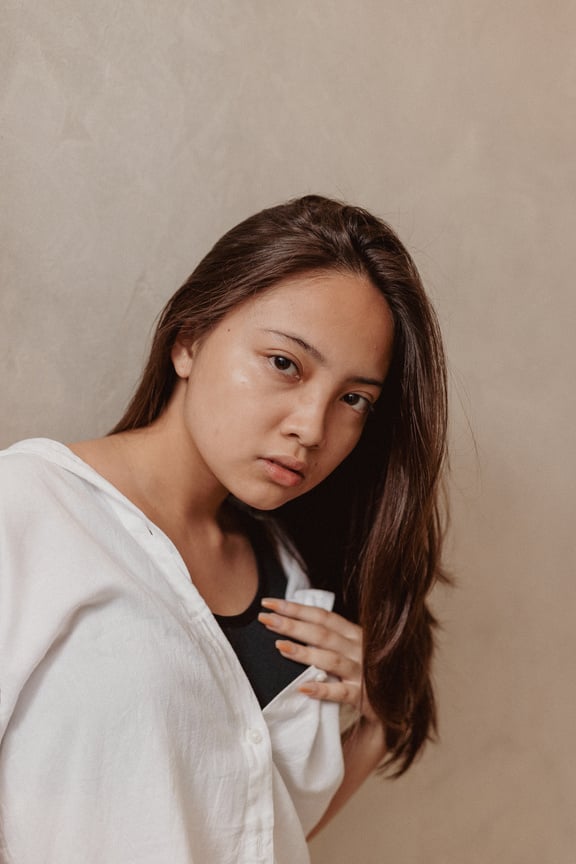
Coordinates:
(271,603)
(308,689)
(284,647)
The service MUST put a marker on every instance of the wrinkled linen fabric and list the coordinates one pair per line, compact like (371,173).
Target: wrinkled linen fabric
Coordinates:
(129,733)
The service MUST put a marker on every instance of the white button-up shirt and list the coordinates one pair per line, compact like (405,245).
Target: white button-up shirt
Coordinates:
(129,733)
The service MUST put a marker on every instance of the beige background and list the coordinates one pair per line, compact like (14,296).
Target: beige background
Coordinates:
(135,132)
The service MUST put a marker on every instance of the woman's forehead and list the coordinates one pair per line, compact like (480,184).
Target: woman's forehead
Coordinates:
(333,312)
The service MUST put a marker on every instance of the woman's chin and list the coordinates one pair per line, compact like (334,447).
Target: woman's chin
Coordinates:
(265,500)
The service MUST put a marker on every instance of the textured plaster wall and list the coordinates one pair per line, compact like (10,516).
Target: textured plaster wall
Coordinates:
(135,132)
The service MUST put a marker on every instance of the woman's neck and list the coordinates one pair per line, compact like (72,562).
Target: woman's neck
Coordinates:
(151,468)
(160,472)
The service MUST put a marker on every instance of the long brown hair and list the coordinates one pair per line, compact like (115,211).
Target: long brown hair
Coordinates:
(372,530)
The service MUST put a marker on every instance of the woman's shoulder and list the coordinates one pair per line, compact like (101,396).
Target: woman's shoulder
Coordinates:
(31,470)
(29,456)
(21,462)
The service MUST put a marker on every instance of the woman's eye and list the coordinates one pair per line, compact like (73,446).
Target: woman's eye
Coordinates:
(359,403)
(284,364)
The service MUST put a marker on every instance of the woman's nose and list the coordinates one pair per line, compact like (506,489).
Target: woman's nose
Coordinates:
(307,422)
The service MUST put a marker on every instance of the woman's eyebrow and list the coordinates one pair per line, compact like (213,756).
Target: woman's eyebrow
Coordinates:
(302,343)
(357,379)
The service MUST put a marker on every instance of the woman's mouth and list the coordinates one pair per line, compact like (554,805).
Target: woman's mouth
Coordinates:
(284,471)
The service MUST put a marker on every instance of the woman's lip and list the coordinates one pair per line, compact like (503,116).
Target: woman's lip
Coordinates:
(281,472)
(288,462)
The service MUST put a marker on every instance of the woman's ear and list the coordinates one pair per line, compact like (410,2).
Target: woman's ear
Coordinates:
(182,355)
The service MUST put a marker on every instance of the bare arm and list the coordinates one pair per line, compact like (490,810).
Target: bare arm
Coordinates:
(333,644)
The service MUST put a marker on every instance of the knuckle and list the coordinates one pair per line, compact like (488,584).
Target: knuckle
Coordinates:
(321,619)
(350,695)
(287,626)
(338,664)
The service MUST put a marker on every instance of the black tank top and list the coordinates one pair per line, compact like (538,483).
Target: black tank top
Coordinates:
(266,669)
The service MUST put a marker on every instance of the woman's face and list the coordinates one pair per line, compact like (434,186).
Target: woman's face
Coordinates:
(277,394)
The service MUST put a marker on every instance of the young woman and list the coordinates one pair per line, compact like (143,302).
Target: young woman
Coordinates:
(172,664)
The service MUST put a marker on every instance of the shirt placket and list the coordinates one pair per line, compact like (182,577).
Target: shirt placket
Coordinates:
(251,732)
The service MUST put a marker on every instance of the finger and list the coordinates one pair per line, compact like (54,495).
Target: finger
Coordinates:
(313,615)
(343,692)
(328,661)
(316,635)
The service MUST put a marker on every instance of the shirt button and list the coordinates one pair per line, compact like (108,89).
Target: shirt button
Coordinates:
(255,736)
(320,676)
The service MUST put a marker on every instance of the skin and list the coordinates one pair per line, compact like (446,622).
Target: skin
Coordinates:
(266,405)
(334,645)
(307,404)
